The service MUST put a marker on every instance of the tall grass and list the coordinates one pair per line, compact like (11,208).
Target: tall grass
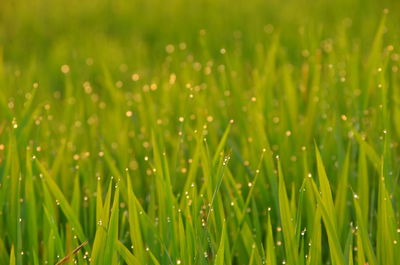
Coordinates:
(199,132)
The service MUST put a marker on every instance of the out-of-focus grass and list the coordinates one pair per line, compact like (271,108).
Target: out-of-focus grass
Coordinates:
(199,132)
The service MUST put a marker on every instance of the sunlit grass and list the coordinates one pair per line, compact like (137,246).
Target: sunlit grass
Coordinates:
(199,132)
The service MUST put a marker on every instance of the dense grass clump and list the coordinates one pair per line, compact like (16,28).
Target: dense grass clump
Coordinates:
(199,132)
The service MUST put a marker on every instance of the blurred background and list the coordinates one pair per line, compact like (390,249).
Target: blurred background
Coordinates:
(115,30)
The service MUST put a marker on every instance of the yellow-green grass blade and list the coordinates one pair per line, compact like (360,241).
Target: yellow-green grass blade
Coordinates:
(387,236)
(335,250)
(364,243)
(134,224)
(65,206)
(112,232)
(219,259)
(315,250)
(31,208)
(288,225)
(363,186)
(270,244)
(369,151)
(127,256)
(12,256)
(102,225)
(221,145)
(342,195)
(361,259)
(325,189)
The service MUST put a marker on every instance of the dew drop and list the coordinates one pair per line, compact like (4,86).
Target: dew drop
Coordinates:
(65,69)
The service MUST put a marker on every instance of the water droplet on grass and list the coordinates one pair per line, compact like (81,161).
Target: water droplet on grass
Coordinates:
(65,69)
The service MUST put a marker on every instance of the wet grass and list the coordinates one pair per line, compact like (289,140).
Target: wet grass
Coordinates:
(199,132)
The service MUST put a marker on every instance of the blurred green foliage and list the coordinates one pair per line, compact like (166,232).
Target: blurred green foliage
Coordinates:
(199,132)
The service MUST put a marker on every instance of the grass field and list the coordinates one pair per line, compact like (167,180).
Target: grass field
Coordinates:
(199,132)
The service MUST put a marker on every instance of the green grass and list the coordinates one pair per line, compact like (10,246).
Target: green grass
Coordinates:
(199,132)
